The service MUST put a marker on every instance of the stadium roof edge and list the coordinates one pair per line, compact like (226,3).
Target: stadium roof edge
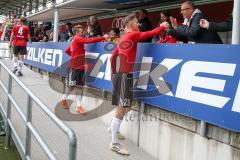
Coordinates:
(78,10)
(11,6)
(151,8)
(72,9)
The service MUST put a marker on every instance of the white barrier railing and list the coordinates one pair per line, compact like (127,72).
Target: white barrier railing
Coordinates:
(30,129)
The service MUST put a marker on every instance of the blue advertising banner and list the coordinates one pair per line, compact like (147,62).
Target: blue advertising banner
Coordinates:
(48,56)
(98,55)
(201,81)
(51,57)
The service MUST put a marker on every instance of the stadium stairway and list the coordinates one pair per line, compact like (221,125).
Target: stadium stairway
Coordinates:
(93,138)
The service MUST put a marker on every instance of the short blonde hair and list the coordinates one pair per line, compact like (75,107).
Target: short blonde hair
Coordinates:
(77,28)
(129,18)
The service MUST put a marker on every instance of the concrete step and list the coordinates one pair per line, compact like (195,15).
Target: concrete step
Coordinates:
(92,135)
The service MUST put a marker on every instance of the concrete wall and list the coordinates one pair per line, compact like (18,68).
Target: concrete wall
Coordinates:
(166,135)
(174,137)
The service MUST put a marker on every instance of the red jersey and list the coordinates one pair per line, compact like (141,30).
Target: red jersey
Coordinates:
(166,39)
(76,51)
(127,48)
(1,32)
(20,35)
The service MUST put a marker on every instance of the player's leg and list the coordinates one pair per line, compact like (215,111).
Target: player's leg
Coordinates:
(22,53)
(15,59)
(119,114)
(70,88)
(80,81)
(122,99)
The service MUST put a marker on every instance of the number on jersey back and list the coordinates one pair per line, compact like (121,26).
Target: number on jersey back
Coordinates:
(20,31)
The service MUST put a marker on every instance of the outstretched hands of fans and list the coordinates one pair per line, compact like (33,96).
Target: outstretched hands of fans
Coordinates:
(165,24)
(106,36)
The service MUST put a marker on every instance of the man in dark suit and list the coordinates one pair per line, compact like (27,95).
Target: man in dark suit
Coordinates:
(223,26)
(145,24)
(191,28)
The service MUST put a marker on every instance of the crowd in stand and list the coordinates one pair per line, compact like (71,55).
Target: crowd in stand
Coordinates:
(194,29)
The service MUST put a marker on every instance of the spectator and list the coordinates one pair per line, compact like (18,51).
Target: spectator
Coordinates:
(88,28)
(145,24)
(42,30)
(165,37)
(51,35)
(96,29)
(90,32)
(40,36)
(70,37)
(114,35)
(35,37)
(69,29)
(45,38)
(61,36)
(191,28)
(32,27)
(164,15)
(47,26)
(218,27)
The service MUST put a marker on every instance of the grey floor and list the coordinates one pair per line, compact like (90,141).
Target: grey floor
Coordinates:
(93,138)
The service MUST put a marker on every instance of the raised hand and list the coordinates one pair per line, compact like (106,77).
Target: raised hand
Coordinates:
(174,22)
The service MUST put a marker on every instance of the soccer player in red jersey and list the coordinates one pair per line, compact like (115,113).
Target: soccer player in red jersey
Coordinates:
(122,78)
(77,66)
(20,35)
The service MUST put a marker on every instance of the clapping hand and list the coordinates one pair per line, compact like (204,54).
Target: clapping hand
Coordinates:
(174,22)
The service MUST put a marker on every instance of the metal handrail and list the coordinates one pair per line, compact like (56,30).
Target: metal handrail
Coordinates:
(30,130)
